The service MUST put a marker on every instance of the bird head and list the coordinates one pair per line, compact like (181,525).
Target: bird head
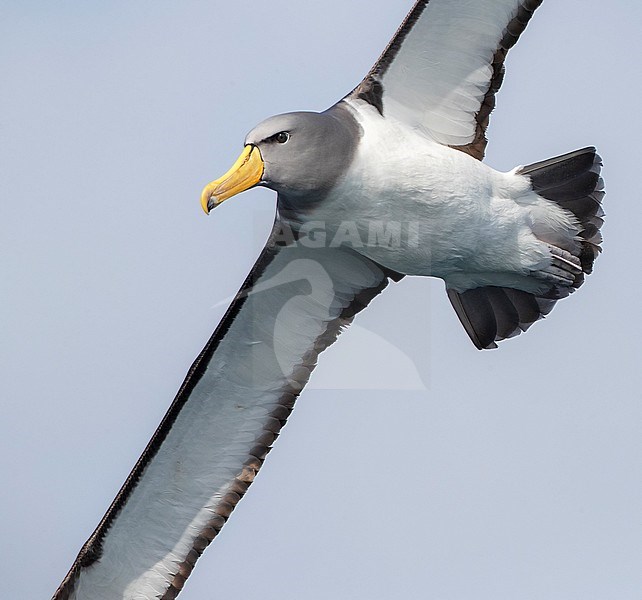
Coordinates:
(300,155)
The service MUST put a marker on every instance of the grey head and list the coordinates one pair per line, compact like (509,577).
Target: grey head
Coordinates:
(305,153)
(300,155)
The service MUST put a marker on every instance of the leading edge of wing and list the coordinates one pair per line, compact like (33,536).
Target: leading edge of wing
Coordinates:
(442,68)
(236,397)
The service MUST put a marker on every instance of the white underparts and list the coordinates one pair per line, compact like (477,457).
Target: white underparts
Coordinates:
(453,216)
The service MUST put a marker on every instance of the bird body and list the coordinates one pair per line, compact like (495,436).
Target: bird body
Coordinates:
(438,211)
(388,182)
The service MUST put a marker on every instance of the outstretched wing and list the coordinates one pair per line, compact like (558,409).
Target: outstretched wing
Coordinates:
(441,70)
(226,415)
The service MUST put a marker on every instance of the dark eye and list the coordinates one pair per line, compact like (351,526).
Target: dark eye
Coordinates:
(282,137)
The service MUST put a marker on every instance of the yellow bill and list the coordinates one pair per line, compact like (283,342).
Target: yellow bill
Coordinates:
(245,173)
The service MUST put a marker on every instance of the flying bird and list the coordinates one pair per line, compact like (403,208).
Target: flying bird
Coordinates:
(387,182)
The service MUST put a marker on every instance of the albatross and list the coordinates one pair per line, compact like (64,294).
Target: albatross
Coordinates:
(387,182)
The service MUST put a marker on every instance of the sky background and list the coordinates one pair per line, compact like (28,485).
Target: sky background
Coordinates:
(414,466)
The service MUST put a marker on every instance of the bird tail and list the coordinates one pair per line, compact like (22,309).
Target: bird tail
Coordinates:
(573,182)
(490,314)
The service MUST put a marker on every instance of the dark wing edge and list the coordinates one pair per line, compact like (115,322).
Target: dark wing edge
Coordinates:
(371,88)
(514,29)
(390,52)
(92,549)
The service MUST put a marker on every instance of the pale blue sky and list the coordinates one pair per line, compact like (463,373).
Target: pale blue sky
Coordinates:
(514,475)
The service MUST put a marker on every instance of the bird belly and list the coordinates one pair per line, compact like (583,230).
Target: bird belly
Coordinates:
(430,211)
